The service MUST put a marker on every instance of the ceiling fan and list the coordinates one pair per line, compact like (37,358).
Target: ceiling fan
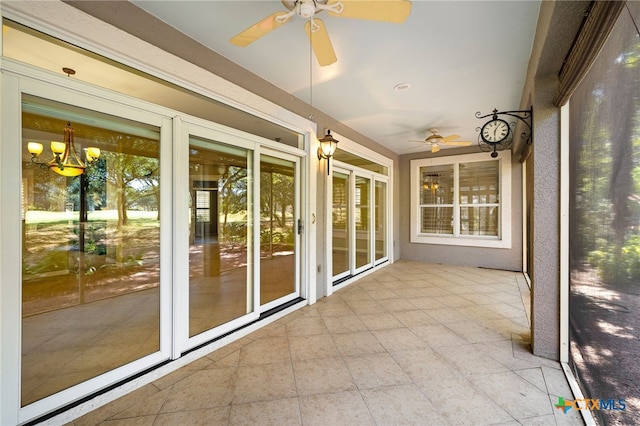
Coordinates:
(435,140)
(395,11)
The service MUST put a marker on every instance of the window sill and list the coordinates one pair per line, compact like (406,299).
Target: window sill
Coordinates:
(488,242)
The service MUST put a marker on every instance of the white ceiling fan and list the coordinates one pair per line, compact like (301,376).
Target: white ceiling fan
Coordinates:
(395,11)
(435,140)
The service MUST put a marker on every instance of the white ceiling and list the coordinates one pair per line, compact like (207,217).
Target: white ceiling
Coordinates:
(459,57)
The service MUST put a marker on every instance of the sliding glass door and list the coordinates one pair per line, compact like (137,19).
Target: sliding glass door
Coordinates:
(359,221)
(220,240)
(91,288)
(280,229)
(243,237)
(380,219)
(341,240)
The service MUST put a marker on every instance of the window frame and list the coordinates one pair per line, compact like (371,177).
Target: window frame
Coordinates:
(503,240)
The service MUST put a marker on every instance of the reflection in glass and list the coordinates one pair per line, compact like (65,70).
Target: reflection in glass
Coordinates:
(478,185)
(436,220)
(90,250)
(219,238)
(363,228)
(436,199)
(381,220)
(340,213)
(277,228)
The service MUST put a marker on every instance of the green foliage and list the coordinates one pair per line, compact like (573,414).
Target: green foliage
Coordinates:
(615,264)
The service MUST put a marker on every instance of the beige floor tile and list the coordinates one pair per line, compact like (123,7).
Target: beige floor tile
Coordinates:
(397,305)
(414,318)
(423,366)
(344,324)
(474,332)
(381,293)
(413,343)
(231,360)
(263,383)
(311,347)
(375,370)
(266,351)
(453,301)
(211,416)
(279,412)
(398,339)
(474,409)
(412,292)
(354,294)
(556,381)
(365,306)
(502,351)
(324,375)
(335,308)
(437,335)
(360,343)
(136,421)
(533,376)
(425,302)
(196,391)
(146,407)
(549,419)
(470,360)
(401,405)
(446,315)
(306,326)
(119,405)
(341,408)
(380,321)
(395,284)
(514,394)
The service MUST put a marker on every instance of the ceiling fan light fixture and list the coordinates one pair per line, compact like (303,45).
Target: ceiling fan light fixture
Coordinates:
(435,139)
(307,8)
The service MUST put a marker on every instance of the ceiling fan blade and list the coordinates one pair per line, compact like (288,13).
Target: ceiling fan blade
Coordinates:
(395,11)
(458,143)
(414,140)
(435,147)
(320,42)
(451,137)
(257,30)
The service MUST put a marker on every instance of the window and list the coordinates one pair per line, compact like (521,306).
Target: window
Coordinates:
(461,200)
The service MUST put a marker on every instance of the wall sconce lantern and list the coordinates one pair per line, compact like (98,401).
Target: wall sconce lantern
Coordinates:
(327,148)
(65,161)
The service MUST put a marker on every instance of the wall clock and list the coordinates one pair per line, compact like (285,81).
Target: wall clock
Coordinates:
(495,131)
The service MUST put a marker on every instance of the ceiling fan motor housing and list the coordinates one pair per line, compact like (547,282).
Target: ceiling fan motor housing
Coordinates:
(304,8)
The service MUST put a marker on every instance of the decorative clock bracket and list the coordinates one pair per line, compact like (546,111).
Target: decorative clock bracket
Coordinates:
(497,133)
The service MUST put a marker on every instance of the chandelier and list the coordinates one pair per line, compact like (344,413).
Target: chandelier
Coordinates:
(65,161)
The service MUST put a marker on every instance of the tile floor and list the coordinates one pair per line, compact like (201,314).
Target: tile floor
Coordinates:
(412,343)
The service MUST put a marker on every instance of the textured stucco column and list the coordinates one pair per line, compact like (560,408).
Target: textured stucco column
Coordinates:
(545,297)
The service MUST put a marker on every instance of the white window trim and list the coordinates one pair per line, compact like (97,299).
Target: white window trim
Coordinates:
(504,226)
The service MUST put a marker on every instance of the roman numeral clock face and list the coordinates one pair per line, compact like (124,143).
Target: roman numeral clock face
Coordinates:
(495,131)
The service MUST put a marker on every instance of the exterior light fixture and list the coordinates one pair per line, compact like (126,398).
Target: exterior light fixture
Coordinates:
(327,148)
(65,161)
